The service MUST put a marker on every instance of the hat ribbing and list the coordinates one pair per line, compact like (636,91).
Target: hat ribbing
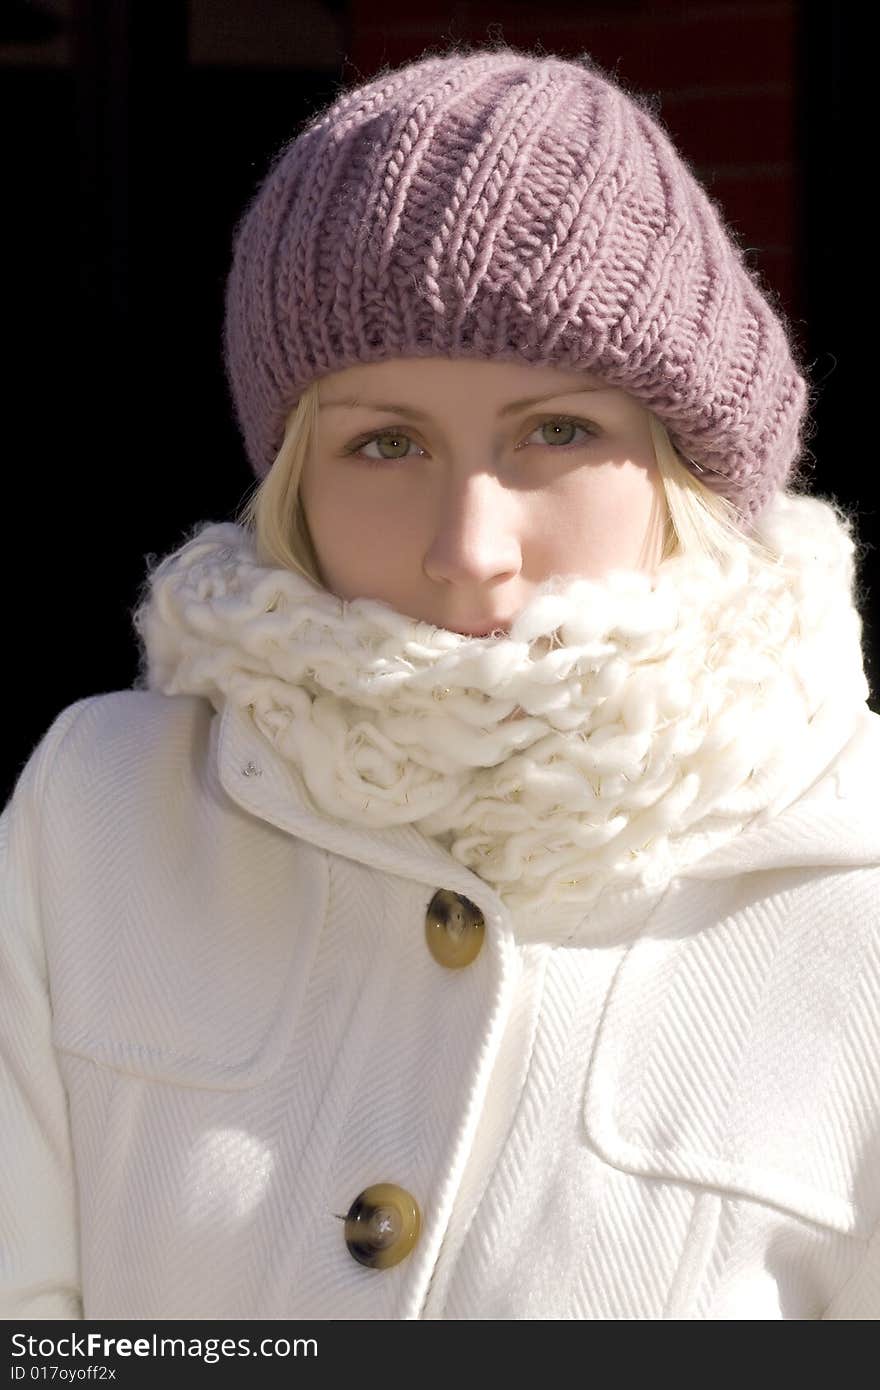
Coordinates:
(505,206)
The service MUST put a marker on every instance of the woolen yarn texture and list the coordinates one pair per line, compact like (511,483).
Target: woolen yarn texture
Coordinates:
(495,204)
(619,732)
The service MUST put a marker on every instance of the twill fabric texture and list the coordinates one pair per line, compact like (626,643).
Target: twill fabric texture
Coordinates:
(504,206)
(220,1020)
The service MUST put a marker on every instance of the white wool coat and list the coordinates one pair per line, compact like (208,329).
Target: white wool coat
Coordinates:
(220,1023)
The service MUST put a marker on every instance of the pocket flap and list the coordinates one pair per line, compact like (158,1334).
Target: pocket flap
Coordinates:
(201,982)
(739,1046)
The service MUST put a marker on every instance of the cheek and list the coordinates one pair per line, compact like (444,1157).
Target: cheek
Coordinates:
(599,516)
(340,507)
(360,533)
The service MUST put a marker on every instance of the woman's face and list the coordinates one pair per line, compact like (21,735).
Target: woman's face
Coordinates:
(442,494)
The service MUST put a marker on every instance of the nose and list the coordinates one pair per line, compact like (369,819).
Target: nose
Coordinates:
(475,539)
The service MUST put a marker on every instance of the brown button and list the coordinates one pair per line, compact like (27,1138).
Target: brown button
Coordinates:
(455,928)
(382,1225)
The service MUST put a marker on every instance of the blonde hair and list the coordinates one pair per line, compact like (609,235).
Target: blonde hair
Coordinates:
(697,518)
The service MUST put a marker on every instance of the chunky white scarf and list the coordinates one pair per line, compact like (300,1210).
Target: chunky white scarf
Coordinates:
(621,730)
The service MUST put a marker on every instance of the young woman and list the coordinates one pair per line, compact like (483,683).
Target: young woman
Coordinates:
(473,910)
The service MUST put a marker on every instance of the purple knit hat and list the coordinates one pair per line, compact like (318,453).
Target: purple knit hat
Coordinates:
(489,203)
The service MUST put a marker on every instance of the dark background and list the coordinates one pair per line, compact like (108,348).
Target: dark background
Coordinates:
(136,132)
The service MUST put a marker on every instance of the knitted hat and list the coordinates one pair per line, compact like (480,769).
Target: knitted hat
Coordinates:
(490,203)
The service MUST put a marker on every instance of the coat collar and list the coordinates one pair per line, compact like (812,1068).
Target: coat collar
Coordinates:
(264,784)
(834,824)
(254,774)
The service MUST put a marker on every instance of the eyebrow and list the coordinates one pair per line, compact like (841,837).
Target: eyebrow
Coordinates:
(396,408)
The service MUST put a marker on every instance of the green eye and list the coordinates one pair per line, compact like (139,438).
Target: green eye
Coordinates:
(562,424)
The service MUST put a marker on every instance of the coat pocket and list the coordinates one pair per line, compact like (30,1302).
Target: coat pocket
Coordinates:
(739,1047)
(199,986)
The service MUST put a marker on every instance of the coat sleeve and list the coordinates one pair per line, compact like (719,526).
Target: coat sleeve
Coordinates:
(39,1258)
(859,1299)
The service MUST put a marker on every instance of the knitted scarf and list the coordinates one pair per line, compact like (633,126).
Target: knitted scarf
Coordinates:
(623,728)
